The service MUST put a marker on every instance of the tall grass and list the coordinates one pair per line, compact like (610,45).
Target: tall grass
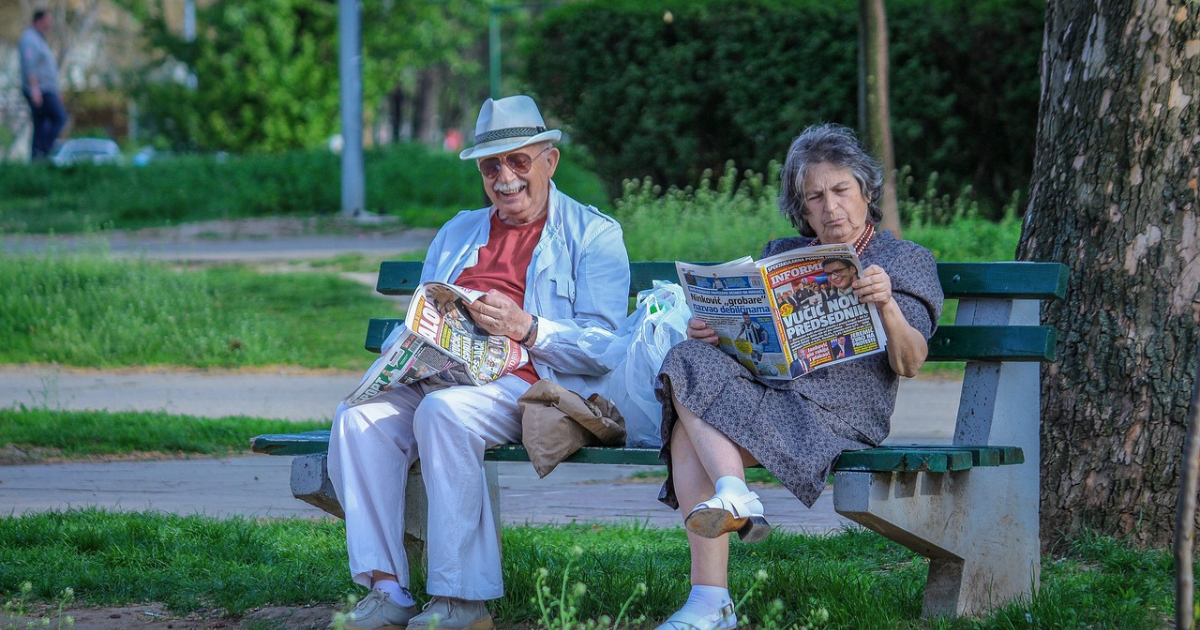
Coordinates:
(89,310)
(733,214)
(854,580)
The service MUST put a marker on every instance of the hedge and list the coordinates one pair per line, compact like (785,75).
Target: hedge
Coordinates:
(669,90)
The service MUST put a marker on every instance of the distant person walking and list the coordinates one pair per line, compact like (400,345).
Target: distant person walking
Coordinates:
(39,84)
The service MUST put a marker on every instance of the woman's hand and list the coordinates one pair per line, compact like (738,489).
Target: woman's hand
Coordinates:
(499,315)
(874,286)
(906,348)
(698,329)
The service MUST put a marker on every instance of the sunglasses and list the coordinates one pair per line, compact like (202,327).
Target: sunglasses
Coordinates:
(518,163)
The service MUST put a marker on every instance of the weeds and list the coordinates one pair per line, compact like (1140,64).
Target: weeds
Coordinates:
(22,605)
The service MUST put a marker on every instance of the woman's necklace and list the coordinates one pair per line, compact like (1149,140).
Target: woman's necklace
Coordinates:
(861,243)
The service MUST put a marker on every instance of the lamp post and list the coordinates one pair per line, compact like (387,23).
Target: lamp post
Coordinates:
(350,97)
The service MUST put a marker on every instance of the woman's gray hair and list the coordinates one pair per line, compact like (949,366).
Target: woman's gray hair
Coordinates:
(830,144)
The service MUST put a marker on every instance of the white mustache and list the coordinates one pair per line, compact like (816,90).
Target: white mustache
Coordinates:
(508,188)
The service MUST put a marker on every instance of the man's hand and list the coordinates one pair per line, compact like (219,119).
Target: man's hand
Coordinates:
(699,329)
(35,95)
(499,315)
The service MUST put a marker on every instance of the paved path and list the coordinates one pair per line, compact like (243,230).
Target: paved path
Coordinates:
(250,240)
(258,485)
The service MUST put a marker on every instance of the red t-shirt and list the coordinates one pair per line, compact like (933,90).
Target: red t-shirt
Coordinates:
(502,264)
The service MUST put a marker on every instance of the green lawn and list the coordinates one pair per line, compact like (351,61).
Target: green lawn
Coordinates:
(854,580)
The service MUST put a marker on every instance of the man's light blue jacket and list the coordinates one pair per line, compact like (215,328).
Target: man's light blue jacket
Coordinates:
(578,279)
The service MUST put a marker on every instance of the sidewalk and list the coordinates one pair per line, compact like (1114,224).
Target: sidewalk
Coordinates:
(258,485)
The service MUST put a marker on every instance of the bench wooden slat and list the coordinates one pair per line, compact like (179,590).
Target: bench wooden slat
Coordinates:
(949,343)
(291,443)
(994,343)
(1006,280)
(888,458)
(1003,280)
(585,455)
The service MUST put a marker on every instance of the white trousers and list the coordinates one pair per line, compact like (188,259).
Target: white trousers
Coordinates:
(371,448)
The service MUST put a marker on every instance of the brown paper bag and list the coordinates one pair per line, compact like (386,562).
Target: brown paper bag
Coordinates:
(556,422)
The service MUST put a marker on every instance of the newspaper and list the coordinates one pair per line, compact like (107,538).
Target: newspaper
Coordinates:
(789,314)
(439,340)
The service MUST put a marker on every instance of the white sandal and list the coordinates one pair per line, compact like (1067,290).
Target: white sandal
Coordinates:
(723,514)
(723,619)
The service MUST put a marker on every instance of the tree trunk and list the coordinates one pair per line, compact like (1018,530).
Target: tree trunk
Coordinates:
(1114,197)
(874,110)
(425,119)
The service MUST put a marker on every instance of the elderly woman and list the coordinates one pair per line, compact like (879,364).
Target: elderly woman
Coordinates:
(719,418)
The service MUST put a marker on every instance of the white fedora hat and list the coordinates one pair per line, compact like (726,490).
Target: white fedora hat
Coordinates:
(507,125)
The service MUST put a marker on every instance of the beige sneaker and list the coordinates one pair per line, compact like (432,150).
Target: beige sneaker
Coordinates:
(447,613)
(377,611)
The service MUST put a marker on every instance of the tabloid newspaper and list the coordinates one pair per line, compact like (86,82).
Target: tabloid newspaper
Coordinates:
(439,340)
(787,315)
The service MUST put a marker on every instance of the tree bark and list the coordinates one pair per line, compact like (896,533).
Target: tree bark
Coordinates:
(425,114)
(1114,197)
(873,106)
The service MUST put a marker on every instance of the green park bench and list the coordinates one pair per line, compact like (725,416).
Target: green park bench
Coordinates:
(971,506)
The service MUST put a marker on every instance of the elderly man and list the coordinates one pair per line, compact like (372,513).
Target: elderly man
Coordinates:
(552,269)
(39,84)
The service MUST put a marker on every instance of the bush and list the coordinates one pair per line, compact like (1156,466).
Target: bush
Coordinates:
(669,94)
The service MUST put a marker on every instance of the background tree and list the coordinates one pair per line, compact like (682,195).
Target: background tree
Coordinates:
(874,108)
(266,71)
(1114,196)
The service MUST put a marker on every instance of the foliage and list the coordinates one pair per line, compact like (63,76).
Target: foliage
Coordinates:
(736,215)
(88,310)
(667,92)
(423,186)
(73,434)
(263,74)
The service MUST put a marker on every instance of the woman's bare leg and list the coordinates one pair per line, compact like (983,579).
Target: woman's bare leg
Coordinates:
(710,556)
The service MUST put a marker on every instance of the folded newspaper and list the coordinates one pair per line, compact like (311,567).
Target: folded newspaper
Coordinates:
(439,340)
(789,314)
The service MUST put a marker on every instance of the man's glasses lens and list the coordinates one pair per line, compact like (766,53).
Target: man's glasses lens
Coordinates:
(519,163)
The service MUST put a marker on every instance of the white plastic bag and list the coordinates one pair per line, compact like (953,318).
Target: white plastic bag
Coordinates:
(634,353)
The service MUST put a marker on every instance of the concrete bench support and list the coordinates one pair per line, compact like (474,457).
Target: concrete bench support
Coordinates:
(979,528)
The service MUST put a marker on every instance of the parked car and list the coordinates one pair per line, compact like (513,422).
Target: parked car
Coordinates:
(94,150)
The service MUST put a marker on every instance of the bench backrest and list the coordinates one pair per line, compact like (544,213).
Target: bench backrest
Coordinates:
(962,281)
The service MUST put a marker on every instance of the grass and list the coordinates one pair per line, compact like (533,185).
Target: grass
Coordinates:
(89,310)
(853,580)
(45,433)
(423,187)
(732,214)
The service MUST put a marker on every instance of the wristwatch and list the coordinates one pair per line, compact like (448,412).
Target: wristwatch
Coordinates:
(531,334)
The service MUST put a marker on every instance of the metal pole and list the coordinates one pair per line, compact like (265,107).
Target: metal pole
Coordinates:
(350,75)
(189,21)
(189,36)
(494,50)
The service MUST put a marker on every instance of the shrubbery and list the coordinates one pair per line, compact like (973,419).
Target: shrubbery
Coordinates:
(669,93)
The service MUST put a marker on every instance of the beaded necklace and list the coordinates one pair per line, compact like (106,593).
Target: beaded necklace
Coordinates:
(861,243)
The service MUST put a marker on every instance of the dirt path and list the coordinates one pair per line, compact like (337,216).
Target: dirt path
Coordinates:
(156,617)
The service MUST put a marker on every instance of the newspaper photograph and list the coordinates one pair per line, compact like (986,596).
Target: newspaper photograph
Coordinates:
(787,315)
(440,340)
